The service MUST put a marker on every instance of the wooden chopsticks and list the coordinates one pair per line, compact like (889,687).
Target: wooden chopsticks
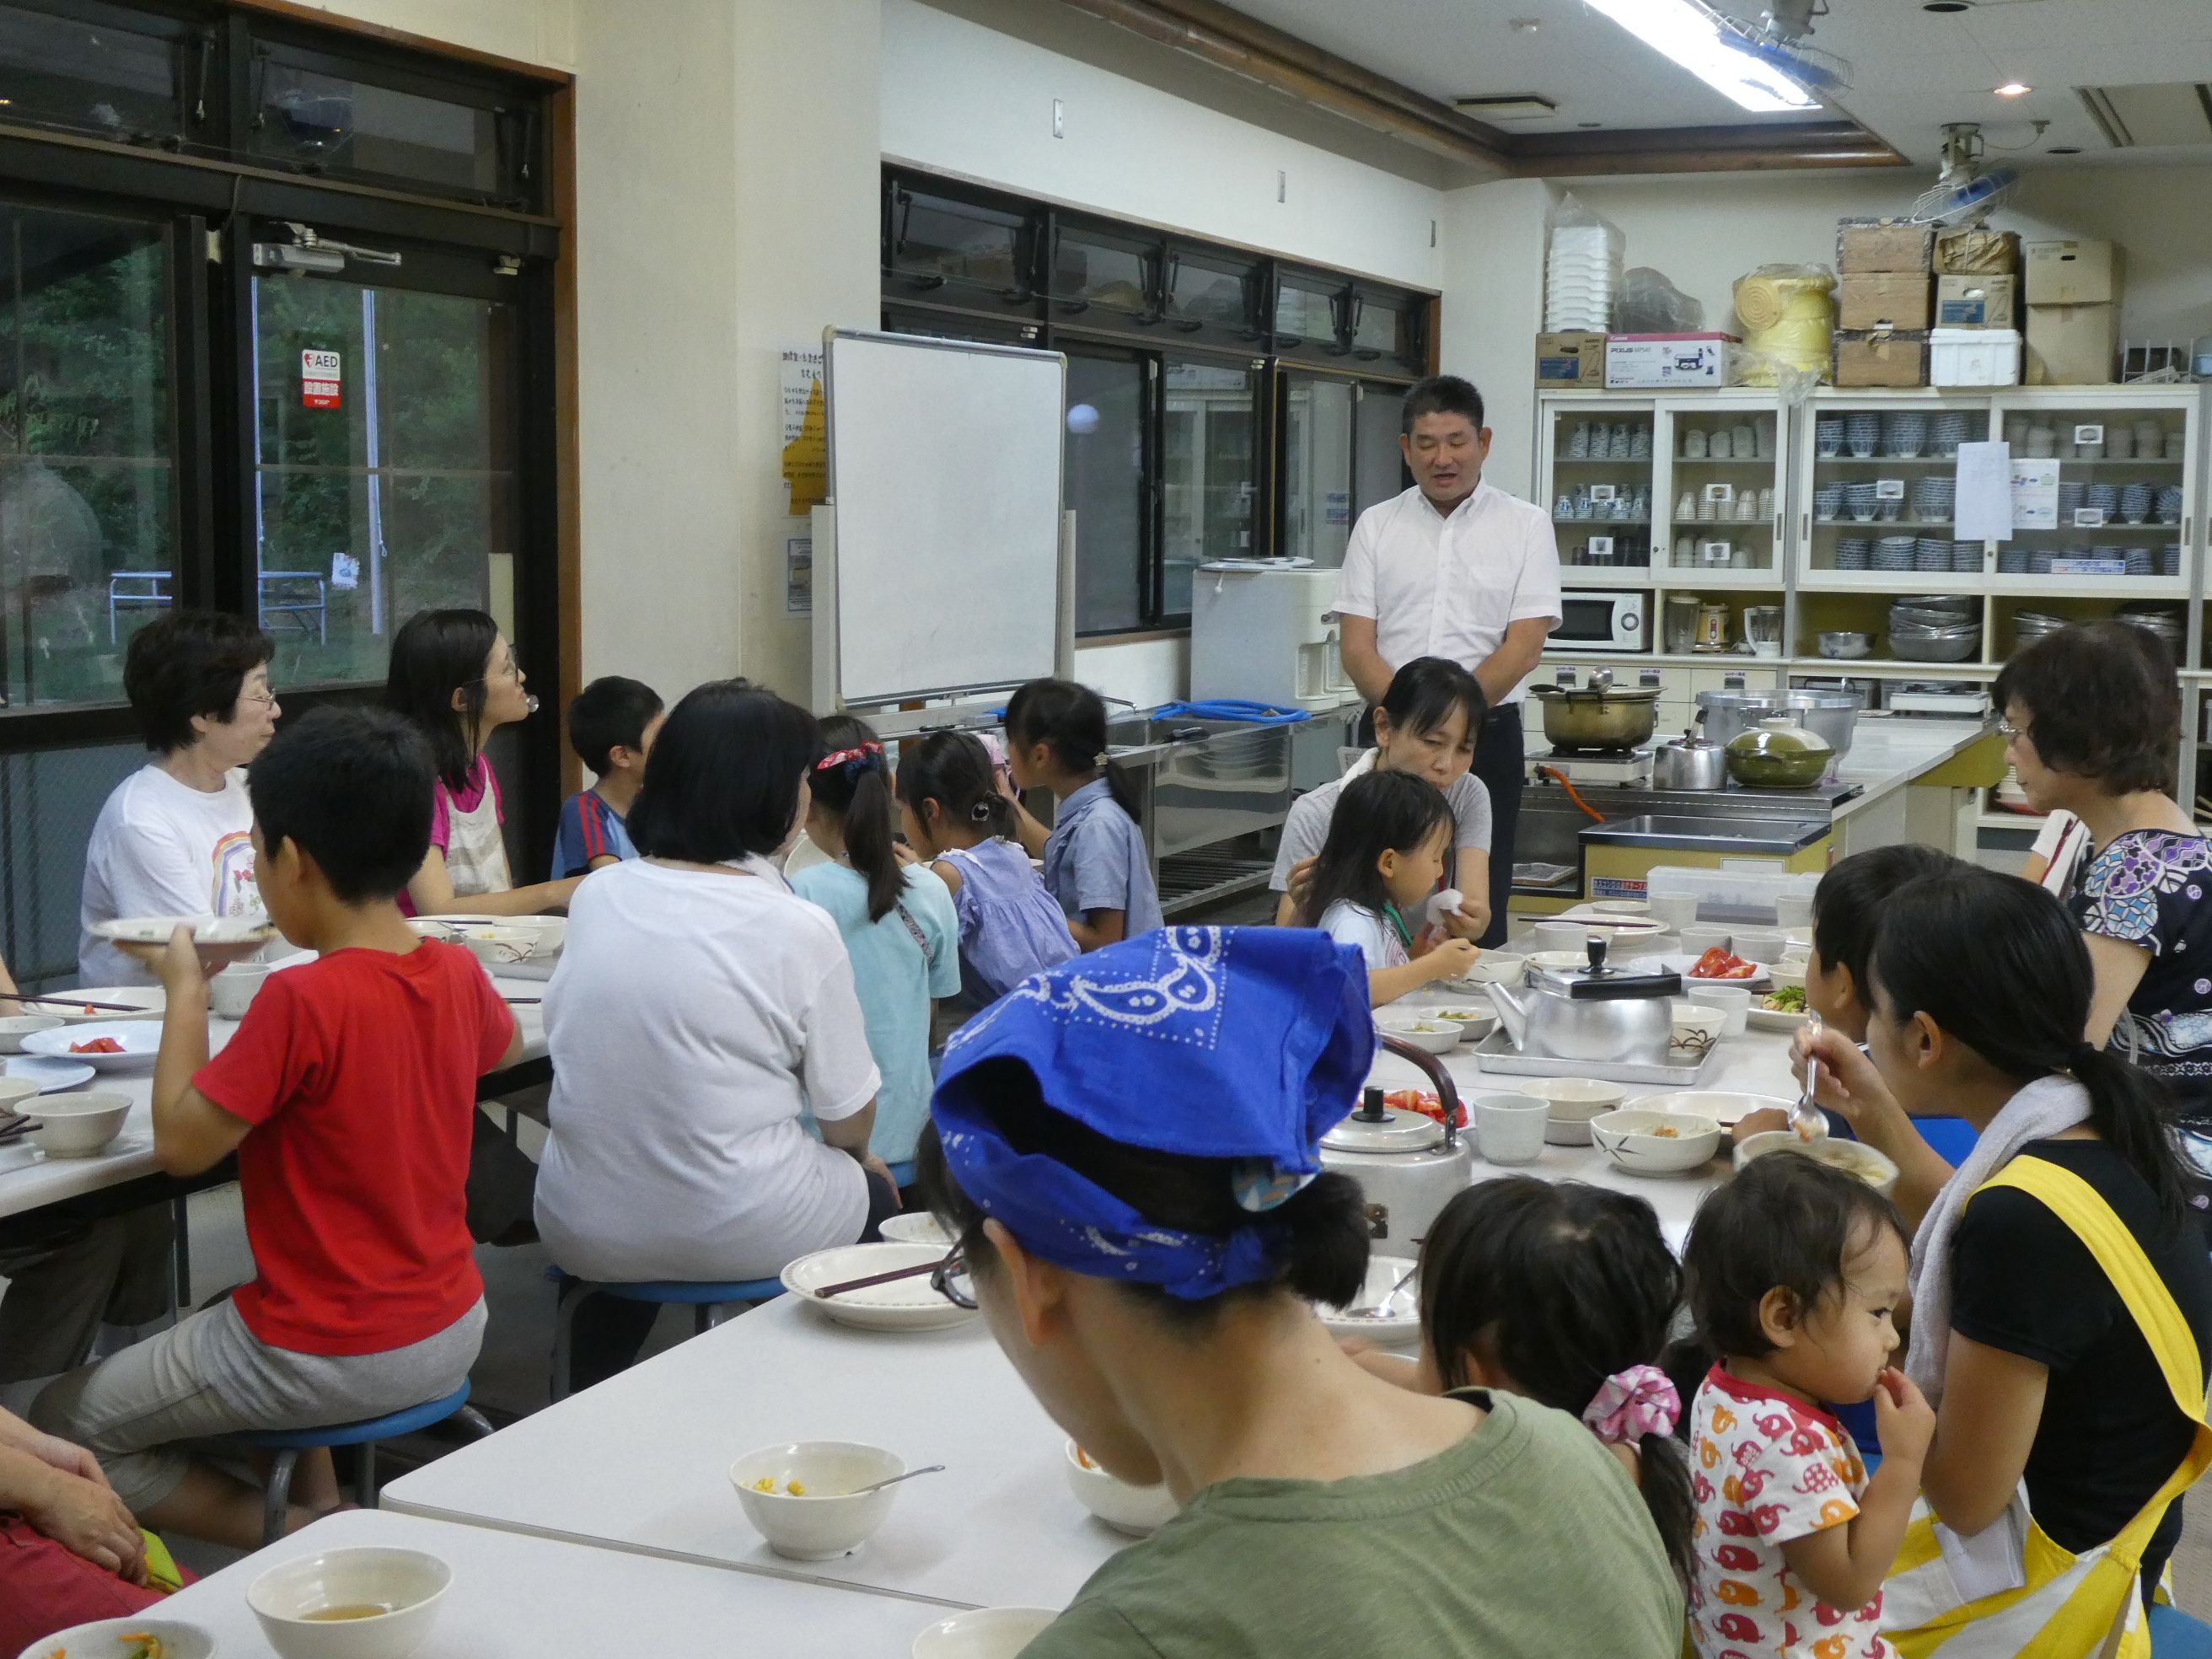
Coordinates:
(915,1272)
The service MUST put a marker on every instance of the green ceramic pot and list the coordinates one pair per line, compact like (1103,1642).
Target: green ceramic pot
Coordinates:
(1778,754)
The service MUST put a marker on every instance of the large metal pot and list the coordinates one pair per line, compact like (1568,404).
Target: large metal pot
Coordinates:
(1833,715)
(1689,761)
(1599,717)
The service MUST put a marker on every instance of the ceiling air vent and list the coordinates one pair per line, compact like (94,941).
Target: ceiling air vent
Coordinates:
(1509,106)
(2174,116)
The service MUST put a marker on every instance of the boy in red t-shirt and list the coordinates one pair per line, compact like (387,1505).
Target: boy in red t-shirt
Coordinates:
(349,1093)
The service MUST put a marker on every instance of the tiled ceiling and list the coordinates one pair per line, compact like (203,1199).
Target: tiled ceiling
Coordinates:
(1912,71)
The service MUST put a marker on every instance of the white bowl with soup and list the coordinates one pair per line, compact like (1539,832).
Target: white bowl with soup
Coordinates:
(368,1602)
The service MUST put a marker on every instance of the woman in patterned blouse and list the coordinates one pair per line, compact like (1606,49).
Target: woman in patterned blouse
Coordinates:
(2093,717)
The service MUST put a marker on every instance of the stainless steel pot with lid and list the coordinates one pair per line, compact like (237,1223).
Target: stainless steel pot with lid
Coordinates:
(1833,715)
(1592,1013)
(1600,716)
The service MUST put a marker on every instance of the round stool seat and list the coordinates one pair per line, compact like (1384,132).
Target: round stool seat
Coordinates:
(390,1426)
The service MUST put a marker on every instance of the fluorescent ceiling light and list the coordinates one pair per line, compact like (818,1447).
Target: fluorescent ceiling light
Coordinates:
(2014,89)
(1693,37)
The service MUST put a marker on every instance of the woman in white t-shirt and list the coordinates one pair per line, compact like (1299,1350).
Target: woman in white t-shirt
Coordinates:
(176,837)
(455,676)
(701,1010)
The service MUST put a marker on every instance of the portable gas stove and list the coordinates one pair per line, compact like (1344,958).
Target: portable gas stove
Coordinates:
(1631,768)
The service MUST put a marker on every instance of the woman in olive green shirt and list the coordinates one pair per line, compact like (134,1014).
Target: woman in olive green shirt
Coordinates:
(1128,1148)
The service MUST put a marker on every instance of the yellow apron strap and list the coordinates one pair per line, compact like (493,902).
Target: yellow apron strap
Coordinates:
(2121,1258)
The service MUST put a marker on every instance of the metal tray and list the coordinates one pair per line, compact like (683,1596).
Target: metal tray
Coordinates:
(1497,1054)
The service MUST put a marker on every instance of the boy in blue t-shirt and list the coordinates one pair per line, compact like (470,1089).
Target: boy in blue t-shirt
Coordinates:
(611,726)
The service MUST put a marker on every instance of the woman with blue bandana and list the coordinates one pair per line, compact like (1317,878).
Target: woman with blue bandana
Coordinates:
(1128,1148)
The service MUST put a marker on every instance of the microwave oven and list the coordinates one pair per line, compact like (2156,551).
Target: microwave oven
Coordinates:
(1602,620)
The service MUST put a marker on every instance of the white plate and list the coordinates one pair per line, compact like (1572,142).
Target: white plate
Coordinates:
(206,930)
(53,1076)
(1402,1326)
(151,999)
(904,1305)
(1724,1108)
(1773,1020)
(141,1040)
(1681,963)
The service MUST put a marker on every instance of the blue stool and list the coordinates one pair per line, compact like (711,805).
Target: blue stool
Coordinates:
(711,1303)
(902,1173)
(2175,1635)
(288,1443)
(1953,1137)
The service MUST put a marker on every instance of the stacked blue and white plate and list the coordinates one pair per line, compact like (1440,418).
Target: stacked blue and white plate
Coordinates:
(1828,436)
(2169,560)
(2070,497)
(1966,557)
(1828,503)
(1854,553)
(2135,503)
(2169,504)
(1859,501)
(2141,562)
(2104,497)
(2012,561)
(1894,553)
(1862,435)
(1948,430)
(1932,497)
(1931,554)
(1903,434)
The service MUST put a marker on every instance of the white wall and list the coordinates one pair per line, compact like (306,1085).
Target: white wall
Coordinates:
(535,31)
(961,98)
(1494,305)
(1705,233)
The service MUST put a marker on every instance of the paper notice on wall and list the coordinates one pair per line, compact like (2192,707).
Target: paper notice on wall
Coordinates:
(2034,494)
(1982,500)
(806,430)
(798,576)
(320,374)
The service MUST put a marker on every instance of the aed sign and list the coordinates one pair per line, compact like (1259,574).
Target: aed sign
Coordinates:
(319,378)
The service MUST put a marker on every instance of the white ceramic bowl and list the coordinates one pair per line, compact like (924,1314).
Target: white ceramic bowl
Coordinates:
(231,991)
(983,1633)
(75,1125)
(1725,1106)
(13,1028)
(1733,1001)
(1773,1020)
(105,1640)
(1790,972)
(1646,1142)
(150,999)
(1574,1101)
(1622,907)
(14,1091)
(1498,968)
(1474,1022)
(293,1602)
(826,1519)
(1852,1156)
(1398,1323)
(140,1041)
(1568,960)
(1434,1036)
(903,1304)
(1697,1029)
(918,1227)
(1139,1511)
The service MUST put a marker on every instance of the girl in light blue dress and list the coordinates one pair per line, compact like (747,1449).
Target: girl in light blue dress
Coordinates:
(954,816)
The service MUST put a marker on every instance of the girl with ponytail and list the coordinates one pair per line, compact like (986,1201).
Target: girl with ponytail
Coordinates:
(896,920)
(1095,861)
(2036,1363)
(954,816)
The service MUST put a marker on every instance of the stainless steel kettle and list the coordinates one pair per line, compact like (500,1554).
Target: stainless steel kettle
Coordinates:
(1689,761)
(1408,1165)
(1596,1013)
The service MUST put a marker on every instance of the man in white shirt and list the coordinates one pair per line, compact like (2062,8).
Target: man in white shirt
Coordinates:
(1455,568)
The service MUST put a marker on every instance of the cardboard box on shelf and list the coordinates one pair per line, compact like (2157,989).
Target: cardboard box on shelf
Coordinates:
(2073,273)
(1565,361)
(1647,361)
(1976,301)
(1883,245)
(2072,345)
(1881,357)
(1978,252)
(1890,300)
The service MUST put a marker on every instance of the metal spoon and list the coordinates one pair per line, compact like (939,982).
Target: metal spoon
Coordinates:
(1810,1122)
(877,1485)
(1380,1308)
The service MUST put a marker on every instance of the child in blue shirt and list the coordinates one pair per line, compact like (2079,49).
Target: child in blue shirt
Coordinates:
(1095,861)
(612,726)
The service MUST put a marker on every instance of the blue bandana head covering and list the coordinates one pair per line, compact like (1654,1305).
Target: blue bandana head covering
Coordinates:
(1242,1044)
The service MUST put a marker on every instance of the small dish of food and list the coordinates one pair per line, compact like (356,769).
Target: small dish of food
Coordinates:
(802,1495)
(1434,1036)
(135,1638)
(1138,1511)
(1853,1158)
(1647,1142)
(116,1045)
(370,1601)
(1782,1010)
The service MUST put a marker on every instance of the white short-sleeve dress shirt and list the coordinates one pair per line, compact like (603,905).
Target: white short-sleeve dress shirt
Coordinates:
(1449,585)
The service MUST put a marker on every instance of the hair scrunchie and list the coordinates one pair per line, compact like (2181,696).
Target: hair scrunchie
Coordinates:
(1630,1404)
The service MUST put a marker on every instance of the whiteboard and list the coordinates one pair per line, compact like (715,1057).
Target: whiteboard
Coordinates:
(944,471)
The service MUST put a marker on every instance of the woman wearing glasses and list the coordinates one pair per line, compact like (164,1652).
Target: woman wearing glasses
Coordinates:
(456,677)
(2093,715)
(175,838)
(1127,1148)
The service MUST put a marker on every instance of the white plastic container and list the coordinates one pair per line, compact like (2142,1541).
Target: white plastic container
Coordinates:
(1973,356)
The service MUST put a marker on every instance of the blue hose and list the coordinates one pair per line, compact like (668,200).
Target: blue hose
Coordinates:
(1231,708)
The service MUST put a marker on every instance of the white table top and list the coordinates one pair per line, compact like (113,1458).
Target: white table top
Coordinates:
(641,1460)
(29,1179)
(517,1597)
(1889,750)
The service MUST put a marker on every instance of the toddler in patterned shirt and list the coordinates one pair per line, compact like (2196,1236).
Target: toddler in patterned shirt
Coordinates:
(1794,1271)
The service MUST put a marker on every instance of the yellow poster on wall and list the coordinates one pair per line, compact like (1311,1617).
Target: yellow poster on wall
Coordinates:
(806,430)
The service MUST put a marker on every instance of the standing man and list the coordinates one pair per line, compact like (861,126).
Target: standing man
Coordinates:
(1455,568)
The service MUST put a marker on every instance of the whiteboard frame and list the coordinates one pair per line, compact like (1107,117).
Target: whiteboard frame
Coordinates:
(951,704)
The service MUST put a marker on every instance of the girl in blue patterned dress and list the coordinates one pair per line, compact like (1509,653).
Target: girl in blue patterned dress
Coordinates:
(2093,716)
(953,815)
